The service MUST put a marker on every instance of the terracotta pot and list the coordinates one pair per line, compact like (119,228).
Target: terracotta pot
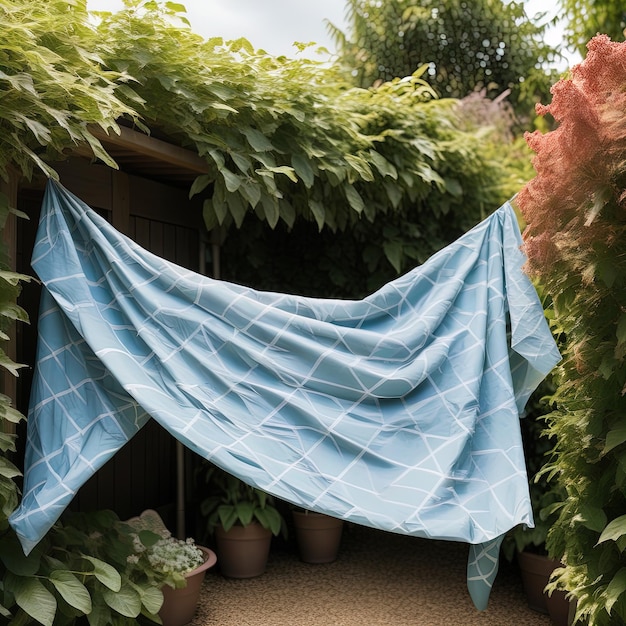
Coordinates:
(318,536)
(558,608)
(243,550)
(179,605)
(536,570)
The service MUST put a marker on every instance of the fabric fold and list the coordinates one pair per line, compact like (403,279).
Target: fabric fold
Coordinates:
(399,411)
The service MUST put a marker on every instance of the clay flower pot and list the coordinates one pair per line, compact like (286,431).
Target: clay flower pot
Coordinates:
(318,536)
(243,550)
(179,605)
(536,570)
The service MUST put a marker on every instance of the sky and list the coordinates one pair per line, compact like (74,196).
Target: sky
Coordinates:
(274,25)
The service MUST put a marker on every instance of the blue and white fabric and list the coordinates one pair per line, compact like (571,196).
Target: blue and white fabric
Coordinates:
(399,411)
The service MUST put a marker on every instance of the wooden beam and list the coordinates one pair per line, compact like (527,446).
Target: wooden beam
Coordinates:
(130,139)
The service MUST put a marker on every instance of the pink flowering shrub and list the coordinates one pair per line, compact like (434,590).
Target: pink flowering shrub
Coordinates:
(575,240)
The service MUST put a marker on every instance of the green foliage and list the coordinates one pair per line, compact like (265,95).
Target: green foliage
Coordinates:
(90,565)
(468,46)
(53,83)
(576,245)
(466,146)
(286,139)
(587,18)
(288,143)
(233,502)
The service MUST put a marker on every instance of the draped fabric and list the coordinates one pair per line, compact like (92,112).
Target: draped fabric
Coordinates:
(399,411)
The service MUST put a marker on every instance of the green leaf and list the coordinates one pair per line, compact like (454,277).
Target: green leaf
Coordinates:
(394,193)
(319,213)
(12,555)
(355,200)
(614,530)
(615,589)
(614,438)
(8,413)
(105,573)
(126,601)
(245,512)
(361,166)
(13,312)
(394,253)
(208,215)
(303,170)
(453,187)
(242,162)
(258,140)
(232,181)
(9,364)
(71,590)
(269,518)
(271,208)
(237,207)
(382,165)
(14,278)
(41,133)
(100,614)
(151,598)
(7,469)
(592,517)
(287,171)
(251,191)
(228,516)
(175,7)
(33,598)
(200,184)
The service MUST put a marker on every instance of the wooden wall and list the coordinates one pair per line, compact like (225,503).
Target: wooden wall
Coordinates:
(162,219)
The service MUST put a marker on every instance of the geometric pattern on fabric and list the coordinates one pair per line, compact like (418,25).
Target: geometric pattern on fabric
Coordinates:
(399,411)
(482,567)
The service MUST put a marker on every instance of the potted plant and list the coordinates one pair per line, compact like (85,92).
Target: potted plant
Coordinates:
(181,565)
(318,535)
(243,520)
(528,545)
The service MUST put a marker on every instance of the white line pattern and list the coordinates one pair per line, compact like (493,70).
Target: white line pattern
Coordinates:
(398,411)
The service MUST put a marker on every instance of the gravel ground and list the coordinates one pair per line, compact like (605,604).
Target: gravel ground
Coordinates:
(379,579)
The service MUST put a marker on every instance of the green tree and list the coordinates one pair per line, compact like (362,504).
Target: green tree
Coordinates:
(586,18)
(468,46)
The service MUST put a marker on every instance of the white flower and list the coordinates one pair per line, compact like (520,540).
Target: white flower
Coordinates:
(175,555)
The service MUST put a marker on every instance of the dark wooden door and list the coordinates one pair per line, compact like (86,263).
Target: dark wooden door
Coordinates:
(163,220)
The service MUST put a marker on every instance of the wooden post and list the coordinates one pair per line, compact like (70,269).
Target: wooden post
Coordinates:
(8,382)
